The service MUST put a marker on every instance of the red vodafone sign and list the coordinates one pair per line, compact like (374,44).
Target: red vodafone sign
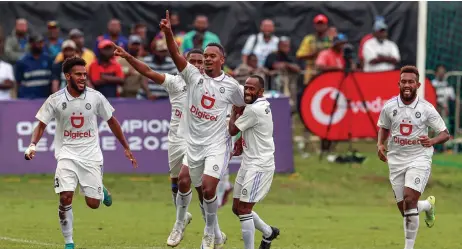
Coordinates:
(350,115)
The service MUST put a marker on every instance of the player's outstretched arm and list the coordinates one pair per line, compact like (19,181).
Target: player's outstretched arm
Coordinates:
(177,58)
(117,130)
(139,66)
(38,133)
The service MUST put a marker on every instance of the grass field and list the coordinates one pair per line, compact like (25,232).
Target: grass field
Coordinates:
(322,206)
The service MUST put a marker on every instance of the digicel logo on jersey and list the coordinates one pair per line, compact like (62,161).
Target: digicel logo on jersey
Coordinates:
(77,134)
(77,121)
(202,115)
(405,141)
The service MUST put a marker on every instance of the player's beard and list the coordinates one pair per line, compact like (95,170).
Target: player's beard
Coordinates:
(76,87)
(409,97)
(250,98)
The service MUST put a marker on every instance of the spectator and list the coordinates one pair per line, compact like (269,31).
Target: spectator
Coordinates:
(287,69)
(177,31)
(114,34)
(33,71)
(160,62)
(6,75)
(198,40)
(201,24)
(445,93)
(365,39)
(53,43)
(58,81)
(332,59)
(243,71)
(85,53)
(379,53)
(16,44)
(261,44)
(105,72)
(133,79)
(140,29)
(313,44)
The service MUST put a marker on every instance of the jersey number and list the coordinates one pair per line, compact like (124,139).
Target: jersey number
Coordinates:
(56,182)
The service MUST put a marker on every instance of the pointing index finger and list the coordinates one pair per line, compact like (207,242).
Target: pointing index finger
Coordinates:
(167,15)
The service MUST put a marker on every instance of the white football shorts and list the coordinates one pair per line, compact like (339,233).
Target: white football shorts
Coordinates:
(414,176)
(252,186)
(176,154)
(89,176)
(211,160)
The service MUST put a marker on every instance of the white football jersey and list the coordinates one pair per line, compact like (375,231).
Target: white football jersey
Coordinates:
(406,123)
(176,88)
(208,103)
(256,125)
(76,135)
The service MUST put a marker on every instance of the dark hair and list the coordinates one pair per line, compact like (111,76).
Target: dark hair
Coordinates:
(440,66)
(260,80)
(252,54)
(194,51)
(69,63)
(219,46)
(410,69)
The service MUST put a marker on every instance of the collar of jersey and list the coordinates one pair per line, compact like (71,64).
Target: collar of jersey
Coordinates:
(69,97)
(412,105)
(219,78)
(259,99)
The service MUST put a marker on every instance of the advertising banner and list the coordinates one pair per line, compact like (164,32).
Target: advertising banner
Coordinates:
(361,97)
(145,125)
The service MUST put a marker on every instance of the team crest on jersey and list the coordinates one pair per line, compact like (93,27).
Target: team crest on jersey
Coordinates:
(244,191)
(88,106)
(405,128)
(215,167)
(184,89)
(395,112)
(207,102)
(222,89)
(200,82)
(77,121)
(64,105)
(417,114)
(417,180)
(267,110)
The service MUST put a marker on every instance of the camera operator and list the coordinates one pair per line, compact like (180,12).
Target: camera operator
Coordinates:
(337,58)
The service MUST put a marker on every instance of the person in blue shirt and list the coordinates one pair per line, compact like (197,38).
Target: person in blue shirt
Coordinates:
(53,42)
(33,71)
(114,35)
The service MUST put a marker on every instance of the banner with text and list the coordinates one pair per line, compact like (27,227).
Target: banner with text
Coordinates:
(360,97)
(145,125)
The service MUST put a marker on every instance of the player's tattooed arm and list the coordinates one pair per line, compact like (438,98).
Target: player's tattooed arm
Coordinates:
(382,137)
(172,46)
(118,133)
(139,66)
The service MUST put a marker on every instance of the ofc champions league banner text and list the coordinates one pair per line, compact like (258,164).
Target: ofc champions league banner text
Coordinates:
(145,125)
(350,115)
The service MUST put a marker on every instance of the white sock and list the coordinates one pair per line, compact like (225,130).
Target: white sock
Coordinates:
(423,206)
(174,198)
(220,192)
(218,237)
(248,230)
(411,225)
(261,225)
(202,211)
(182,204)
(66,219)
(210,208)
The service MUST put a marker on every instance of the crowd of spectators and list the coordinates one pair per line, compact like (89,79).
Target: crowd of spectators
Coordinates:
(30,63)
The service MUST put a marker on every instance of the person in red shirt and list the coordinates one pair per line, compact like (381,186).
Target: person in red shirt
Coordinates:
(332,59)
(106,73)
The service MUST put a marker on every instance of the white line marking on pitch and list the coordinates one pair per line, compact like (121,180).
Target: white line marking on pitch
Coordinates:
(31,242)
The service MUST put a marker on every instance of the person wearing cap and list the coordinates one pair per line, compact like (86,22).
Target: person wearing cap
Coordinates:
(261,44)
(133,79)
(33,71)
(105,73)
(365,39)
(86,54)
(313,44)
(379,53)
(17,44)
(53,42)
(58,81)
(161,62)
(114,34)
(332,59)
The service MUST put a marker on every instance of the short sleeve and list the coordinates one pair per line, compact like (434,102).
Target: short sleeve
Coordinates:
(191,74)
(104,109)
(395,51)
(249,45)
(118,71)
(172,83)
(322,59)
(305,47)
(56,72)
(384,120)
(237,96)
(9,75)
(247,120)
(368,52)
(47,112)
(435,121)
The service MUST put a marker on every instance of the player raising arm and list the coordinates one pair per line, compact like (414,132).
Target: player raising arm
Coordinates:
(253,181)
(207,137)
(404,121)
(77,149)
